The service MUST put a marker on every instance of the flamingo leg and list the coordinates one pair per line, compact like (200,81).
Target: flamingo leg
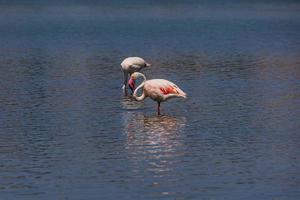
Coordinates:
(158,108)
(125,83)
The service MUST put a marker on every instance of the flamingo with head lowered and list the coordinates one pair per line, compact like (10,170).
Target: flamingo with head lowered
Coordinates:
(158,90)
(129,66)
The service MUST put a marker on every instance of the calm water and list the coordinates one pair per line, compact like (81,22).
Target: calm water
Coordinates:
(66,131)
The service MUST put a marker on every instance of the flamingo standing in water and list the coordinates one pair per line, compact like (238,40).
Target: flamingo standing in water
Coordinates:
(129,66)
(158,90)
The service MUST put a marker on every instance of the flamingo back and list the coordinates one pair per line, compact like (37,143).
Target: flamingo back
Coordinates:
(161,89)
(133,63)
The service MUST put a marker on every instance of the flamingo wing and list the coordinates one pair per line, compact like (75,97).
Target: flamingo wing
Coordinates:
(136,67)
(167,88)
(133,61)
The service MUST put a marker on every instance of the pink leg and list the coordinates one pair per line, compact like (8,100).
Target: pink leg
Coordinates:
(158,108)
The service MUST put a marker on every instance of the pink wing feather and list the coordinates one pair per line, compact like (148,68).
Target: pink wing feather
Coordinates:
(167,88)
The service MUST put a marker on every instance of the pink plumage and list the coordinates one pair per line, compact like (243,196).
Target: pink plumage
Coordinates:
(161,90)
(158,90)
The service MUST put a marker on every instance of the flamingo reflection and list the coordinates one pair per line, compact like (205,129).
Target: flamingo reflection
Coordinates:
(153,140)
(129,104)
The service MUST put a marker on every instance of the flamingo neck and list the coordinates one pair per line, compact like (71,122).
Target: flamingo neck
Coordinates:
(143,96)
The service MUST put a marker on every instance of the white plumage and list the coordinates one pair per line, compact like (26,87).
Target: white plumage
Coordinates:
(131,65)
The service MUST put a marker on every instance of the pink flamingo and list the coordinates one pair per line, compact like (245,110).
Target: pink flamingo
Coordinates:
(129,66)
(158,90)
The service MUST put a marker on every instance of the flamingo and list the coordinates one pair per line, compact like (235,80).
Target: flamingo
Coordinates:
(158,90)
(129,66)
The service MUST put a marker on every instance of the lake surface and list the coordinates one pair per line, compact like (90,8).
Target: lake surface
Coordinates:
(67,132)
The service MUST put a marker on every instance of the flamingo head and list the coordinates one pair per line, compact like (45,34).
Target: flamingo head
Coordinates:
(134,76)
(132,80)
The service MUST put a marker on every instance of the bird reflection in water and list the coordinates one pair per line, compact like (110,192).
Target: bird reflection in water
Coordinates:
(128,103)
(153,142)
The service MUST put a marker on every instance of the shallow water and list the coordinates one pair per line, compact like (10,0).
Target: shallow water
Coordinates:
(66,131)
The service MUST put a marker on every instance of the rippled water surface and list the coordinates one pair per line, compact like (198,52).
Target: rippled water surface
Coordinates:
(67,132)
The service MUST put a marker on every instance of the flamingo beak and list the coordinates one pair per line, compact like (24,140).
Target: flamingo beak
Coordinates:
(131,84)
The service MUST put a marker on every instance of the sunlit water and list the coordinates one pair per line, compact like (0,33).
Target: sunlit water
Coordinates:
(66,131)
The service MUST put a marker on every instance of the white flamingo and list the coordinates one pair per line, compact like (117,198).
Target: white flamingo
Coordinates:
(129,66)
(158,90)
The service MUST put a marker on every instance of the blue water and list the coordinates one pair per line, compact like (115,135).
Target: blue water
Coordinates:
(67,132)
